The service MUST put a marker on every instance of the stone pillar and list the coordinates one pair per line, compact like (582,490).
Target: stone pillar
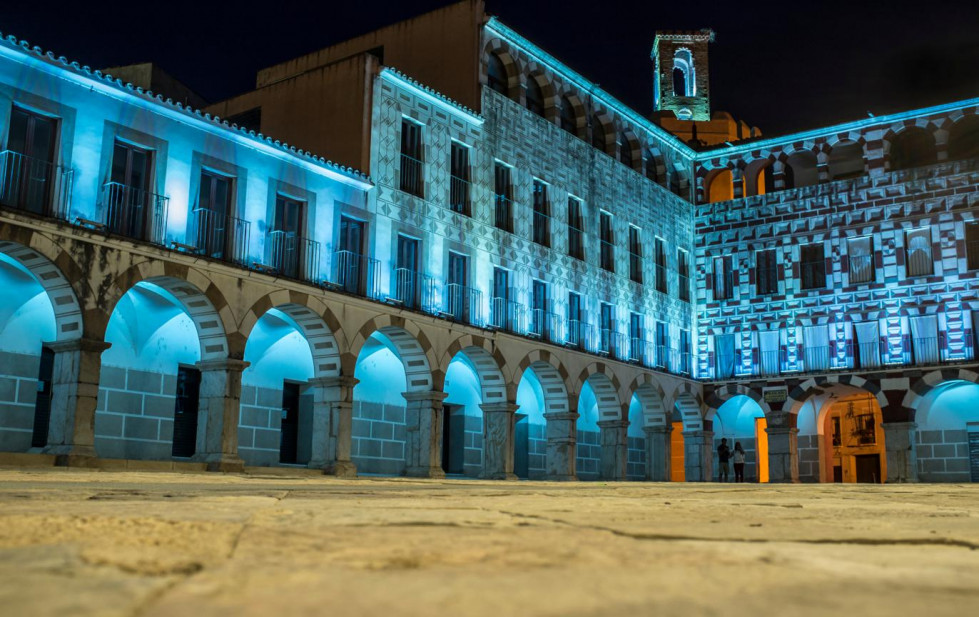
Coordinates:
(615,449)
(499,428)
(822,167)
(561,445)
(74,396)
(698,457)
(219,411)
(658,453)
(783,454)
(737,180)
(332,424)
(902,453)
(423,450)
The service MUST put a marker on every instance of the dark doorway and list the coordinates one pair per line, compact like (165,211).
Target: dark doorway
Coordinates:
(28,174)
(42,404)
(521,445)
(289,431)
(868,468)
(837,474)
(185,412)
(453,440)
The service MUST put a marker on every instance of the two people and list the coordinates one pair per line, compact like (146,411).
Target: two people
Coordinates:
(724,455)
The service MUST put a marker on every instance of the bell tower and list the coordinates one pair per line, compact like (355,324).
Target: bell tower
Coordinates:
(682,81)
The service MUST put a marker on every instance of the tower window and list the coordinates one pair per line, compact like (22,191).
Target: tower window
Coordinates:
(683,74)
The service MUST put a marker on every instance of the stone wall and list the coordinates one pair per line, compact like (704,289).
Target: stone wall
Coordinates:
(134,416)
(379,436)
(588,456)
(943,456)
(18,389)
(636,458)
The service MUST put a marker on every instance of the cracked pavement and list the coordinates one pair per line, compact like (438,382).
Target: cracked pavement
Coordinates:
(97,543)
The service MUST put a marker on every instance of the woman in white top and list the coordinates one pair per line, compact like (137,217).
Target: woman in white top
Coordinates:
(738,462)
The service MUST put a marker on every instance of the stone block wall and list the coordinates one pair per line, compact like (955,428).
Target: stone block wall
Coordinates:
(134,415)
(943,456)
(260,422)
(18,389)
(588,456)
(808,458)
(636,459)
(379,436)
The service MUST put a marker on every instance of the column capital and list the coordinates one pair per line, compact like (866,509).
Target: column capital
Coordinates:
(613,424)
(561,415)
(665,429)
(505,407)
(223,364)
(431,395)
(698,433)
(339,381)
(78,344)
(781,430)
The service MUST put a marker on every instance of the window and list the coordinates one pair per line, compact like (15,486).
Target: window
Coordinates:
(816,344)
(867,350)
(652,168)
(576,329)
(637,342)
(539,314)
(569,118)
(723,356)
(598,139)
(131,207)
(685,354)
(860,252)
(502,310)
(924,339)
(542,215)
(459,186)
(504,198)
(766,272)
(497,76)
(606,326)
(683,268)
(350,267)
(917,243)
(606,238)
(412,181)
(662,345)
(576,233)
(635,255)
(723,278)
(456,288)
(535,96)
(972,245)
(285,242)
(661,282)
(813,266)
(214,228)
(683,73)
(625,152)
(407,283)
(28,171)
(769,342)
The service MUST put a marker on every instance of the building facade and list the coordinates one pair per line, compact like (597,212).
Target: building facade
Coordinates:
(533,280)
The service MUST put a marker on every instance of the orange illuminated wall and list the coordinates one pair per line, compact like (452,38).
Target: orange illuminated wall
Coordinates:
(761,448)
(677,471)
(849,435)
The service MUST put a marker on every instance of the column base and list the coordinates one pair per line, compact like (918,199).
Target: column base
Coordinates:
(339,469)
(425,472)
(500,475)
(223,463)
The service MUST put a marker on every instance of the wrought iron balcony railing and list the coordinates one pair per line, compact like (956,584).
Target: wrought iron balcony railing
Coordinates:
(219,236)
(355,273)
(503,216)
(508,315)
(34,185)
(412,176)
(413,290)
(134,213)
(459,195)
(463,303)
(544,325)
(293,256)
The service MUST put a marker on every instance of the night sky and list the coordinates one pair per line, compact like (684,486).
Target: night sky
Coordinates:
(783,66)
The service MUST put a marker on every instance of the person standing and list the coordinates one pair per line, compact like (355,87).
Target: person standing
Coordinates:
(723,456)
(738,462)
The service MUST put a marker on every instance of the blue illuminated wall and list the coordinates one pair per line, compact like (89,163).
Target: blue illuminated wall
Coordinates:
(466,423)
(531,430)
(588,454)
(636,438)
(379,409)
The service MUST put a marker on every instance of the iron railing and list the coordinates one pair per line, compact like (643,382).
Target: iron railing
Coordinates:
(607,256)
(611,342)
(135,213)
(868,355)
(641,351)
(293,256)
(542,229)
(220,236)
(724,365)
(544,324)
(920,262)
(816,358)
(680,361)
(355,273)
(635,268)
(413,290)
(412,180)
(463,303)
(459,195)
(507,315)
(504,213)
(925,351)
(662,284)
(34,185)
(580,334)
(576,242)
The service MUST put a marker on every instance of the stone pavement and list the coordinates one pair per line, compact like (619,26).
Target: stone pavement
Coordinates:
(84,543)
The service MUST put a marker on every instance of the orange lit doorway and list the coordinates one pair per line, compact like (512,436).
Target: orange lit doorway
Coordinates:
(761,448)
(677,472)
(853,441)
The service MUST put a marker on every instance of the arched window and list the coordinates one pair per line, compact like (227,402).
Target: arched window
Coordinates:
(683,74)
(497,76)
(535,96)
(914,147)
(569,117)
(598,133)
(800,169)
(963,139)
(625,152)
(721,187)
(846,161)
(652,168)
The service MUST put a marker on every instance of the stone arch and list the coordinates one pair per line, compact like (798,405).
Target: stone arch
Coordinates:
(630,154)
(651,398)
(67,310)
(846,159)
(572,113)
(537,75)
(553,378)
(929,381)
(801,168)
(602,130)
(912,145)
(963,138)
(801,392)
(719,184)
(409,343)
(208,309)
(486,362)
(605,385)
(655,169)
(498,48)
(312,320)
(719,396)
(687,401)
(754,182)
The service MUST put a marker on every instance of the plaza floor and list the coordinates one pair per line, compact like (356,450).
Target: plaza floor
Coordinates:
(80,543)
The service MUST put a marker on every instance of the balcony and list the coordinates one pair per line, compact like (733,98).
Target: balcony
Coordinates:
(355,273)
(459,195)
(413,290)
(641,351)
(816,359)
(412,176)
(219,236)
(293,256)
(542,229)
(507,315)
(504,213)
(463,304)
(611,343)
(680,361)
(724,366)
(34,185)
(580,335)
(544,325)
(134,213)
